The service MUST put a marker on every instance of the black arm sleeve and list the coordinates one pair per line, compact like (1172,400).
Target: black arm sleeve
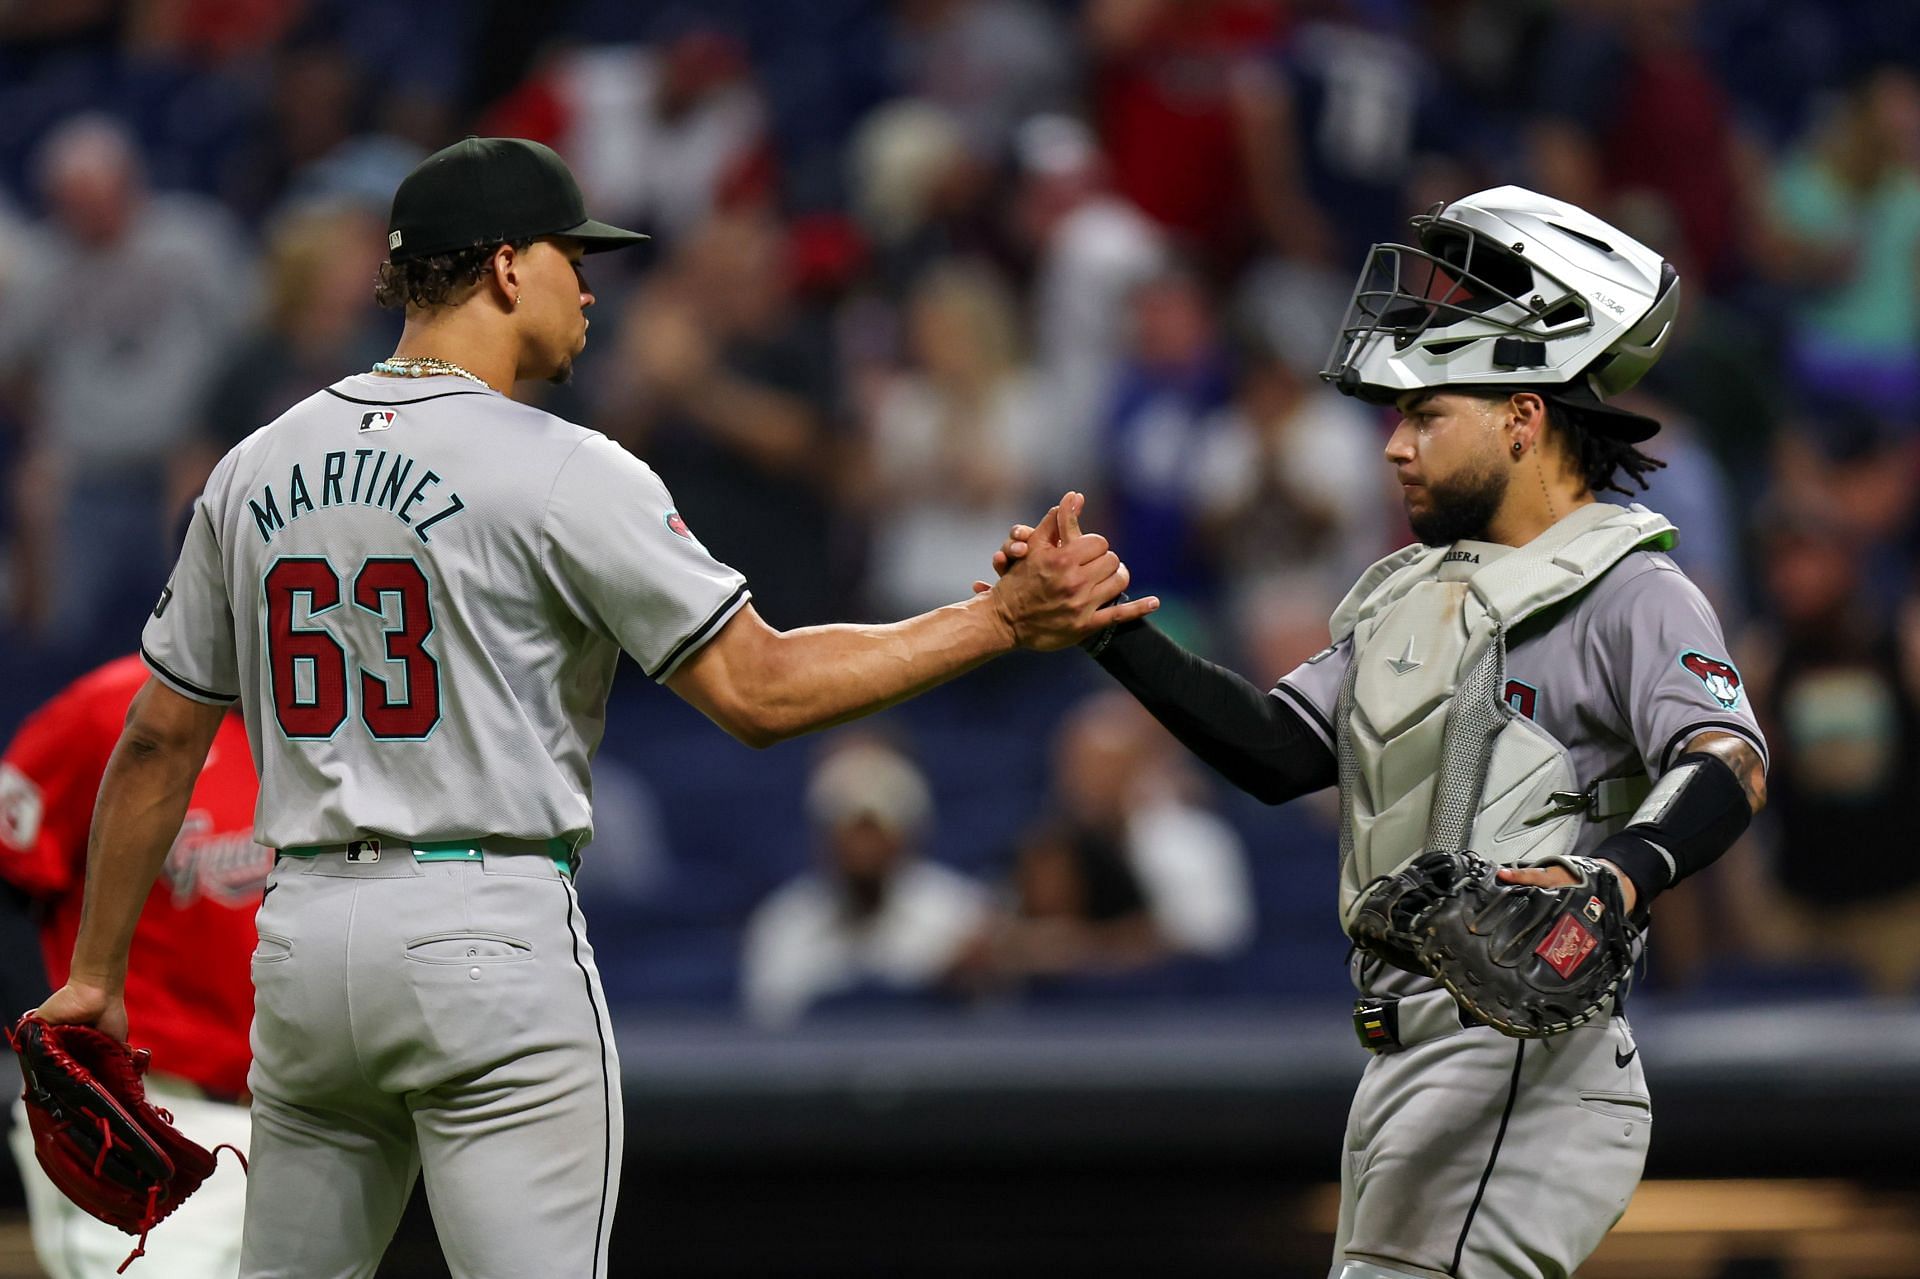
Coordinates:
(23,974)
(1693,815)
(1254,740)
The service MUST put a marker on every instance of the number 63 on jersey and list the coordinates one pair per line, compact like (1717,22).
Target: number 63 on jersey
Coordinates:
(311,688)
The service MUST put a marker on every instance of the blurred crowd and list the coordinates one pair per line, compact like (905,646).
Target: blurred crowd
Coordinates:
(919,266)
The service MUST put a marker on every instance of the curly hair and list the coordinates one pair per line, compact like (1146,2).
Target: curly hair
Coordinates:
(436,280)
(1602,458)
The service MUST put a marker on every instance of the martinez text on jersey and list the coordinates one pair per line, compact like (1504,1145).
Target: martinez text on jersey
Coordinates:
(362,477)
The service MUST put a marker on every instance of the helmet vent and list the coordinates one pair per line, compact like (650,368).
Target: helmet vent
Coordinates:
(1583,237)
(1669,276)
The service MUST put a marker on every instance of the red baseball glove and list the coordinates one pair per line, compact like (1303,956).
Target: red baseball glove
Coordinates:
(99,1139)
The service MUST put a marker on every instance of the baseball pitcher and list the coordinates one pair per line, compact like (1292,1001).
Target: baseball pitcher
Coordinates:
(417,589)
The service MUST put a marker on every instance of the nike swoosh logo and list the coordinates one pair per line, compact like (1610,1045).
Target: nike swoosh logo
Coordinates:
(1404,663)
(1621,1059)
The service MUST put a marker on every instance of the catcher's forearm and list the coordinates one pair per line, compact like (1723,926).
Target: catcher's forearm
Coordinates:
(143,798)
(1251,738)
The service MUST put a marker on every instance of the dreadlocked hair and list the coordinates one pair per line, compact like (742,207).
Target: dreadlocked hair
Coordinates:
(437,279)
(1601,458)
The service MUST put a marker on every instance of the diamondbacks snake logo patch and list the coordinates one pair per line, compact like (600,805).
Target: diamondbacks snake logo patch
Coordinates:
(1721,679)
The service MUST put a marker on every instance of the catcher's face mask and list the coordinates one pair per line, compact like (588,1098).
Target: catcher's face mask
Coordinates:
(1414,308)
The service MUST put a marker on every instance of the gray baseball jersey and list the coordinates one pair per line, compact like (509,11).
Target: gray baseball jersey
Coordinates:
(1468,1153)
(1623,676)
(419,589)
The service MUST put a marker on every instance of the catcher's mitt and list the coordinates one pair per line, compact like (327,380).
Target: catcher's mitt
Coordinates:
(99,1139)
(1387,920)
(1528,961)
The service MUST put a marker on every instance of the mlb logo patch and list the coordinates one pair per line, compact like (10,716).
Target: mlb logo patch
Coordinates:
(363,850)
(1594,909)
(378,420)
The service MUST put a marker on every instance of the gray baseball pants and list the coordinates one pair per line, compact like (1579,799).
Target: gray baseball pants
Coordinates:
(1470,1154)
(443,1018)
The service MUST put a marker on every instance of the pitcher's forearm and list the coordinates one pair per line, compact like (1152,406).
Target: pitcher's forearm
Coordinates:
(764,686)
(143,799)
(843,671)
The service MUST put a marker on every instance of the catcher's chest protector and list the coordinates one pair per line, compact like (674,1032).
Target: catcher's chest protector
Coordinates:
(1431,755)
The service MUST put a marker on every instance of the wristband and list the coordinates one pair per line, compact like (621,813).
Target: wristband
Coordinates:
(1695,813)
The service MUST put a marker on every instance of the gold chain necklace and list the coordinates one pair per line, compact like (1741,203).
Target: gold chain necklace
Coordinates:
(424,366)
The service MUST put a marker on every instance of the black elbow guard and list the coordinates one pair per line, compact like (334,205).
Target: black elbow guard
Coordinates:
(1695,813)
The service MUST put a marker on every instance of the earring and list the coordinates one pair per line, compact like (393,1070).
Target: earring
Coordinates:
(516,301)
(1518,448)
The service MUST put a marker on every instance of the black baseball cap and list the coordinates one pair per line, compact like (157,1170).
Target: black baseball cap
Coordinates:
(1575,398)
(483,191)
(1600,417)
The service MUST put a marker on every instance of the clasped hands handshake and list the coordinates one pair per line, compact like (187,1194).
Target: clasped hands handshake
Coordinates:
(1056,585)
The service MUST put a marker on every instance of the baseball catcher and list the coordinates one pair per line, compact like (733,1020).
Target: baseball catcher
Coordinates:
(1532,726)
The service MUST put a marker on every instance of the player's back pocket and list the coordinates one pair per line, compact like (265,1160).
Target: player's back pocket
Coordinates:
(468,946)
(271,949)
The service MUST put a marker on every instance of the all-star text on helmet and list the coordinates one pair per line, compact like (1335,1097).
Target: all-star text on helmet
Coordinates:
(1509,287)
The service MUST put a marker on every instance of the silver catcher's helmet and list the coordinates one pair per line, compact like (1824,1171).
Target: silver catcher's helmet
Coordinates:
(1510,287)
